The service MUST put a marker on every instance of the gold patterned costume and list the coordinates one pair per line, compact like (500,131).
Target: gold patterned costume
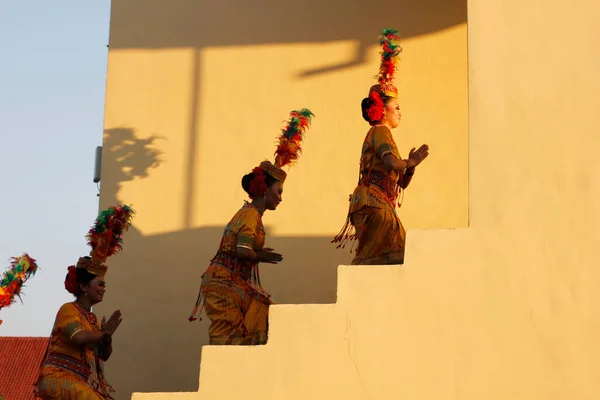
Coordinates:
(233,297)
(379,231)
(76,372)
(231,293)
(372,218)
(70,372)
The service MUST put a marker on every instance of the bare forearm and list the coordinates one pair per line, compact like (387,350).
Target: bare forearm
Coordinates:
(85,338)
(265,255)
(105,351)
(406,178)
(394,163)
(246,254)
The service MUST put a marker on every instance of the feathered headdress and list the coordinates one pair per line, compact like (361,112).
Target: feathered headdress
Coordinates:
(290,141)
(106,237)
(390,51)
(289,144)
(21,269)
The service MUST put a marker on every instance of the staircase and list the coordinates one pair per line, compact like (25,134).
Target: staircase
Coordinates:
(506,309)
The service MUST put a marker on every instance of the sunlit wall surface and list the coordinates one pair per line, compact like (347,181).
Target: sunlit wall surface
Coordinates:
(197,91)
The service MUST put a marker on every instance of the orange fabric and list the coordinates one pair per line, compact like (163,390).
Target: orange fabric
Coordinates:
(237,317)
(372,218)
(381,236)
(69,371)
(231,293)
(377,144)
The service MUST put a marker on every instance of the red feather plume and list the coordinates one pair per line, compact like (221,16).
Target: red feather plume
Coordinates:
(106,236)
(289,144)
(390,50)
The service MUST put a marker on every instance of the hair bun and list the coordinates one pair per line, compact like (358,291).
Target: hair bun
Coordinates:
(246,180)
(365,106)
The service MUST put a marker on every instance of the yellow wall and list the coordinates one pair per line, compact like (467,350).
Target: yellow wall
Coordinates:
(197,92)
(506,309)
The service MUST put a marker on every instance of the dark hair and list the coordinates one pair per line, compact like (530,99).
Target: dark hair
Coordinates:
(367,102)
(246,179)
(77,277)
(83,276)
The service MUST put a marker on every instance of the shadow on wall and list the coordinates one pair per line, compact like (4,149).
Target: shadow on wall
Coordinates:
(129,156)
(201,24)
(193,24)
(185,23)
(156,348)
(156,340)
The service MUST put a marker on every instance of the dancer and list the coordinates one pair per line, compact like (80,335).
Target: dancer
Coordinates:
(372,218)
(79,345)
(21,269)
(231,292)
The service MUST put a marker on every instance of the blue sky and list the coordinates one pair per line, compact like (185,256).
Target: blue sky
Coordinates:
(52,84)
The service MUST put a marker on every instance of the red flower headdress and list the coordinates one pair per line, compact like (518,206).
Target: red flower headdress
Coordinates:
(390,51)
